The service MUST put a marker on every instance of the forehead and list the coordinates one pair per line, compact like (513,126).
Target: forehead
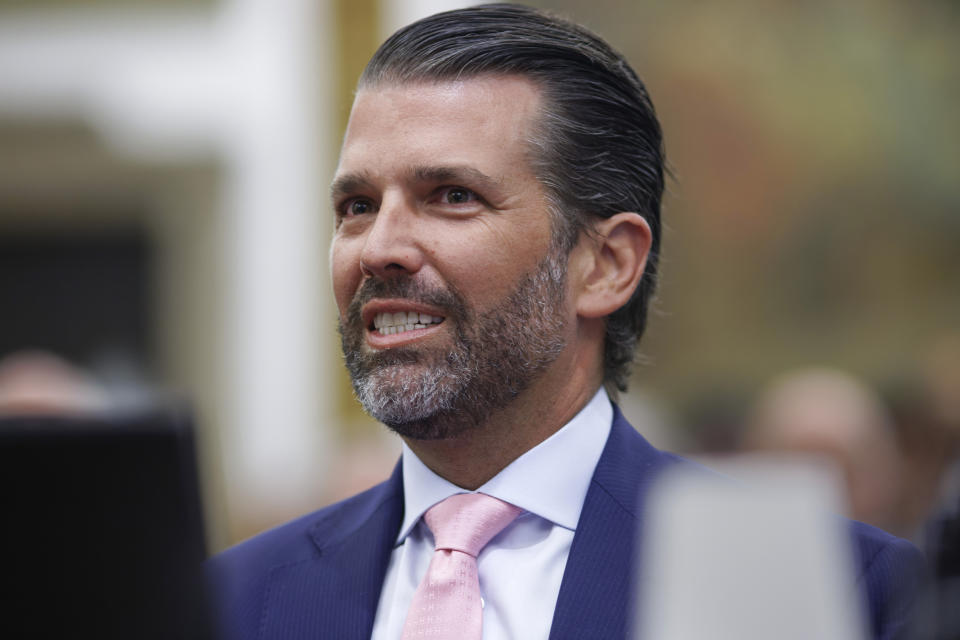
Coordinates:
(486,119)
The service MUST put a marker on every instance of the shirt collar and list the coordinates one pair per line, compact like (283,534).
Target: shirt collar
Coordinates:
(530,482)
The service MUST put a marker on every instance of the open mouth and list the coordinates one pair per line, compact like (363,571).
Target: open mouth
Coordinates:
(388,324)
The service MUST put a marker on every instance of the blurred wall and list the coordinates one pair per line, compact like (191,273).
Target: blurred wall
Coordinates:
(814,214)
(200,131)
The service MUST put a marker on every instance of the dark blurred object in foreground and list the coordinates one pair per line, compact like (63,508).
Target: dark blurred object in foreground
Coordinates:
(938,612)
(942,611)
(936,410)
(102,533)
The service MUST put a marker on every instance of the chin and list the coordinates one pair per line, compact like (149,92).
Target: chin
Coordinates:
(435,427)
(419,403)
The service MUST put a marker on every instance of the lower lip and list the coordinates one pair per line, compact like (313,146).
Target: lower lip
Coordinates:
(377,340)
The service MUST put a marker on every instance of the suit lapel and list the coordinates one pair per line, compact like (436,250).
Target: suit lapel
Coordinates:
(595,595)
(335,593)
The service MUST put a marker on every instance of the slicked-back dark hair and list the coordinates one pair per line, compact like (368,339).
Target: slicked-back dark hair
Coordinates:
(597,147)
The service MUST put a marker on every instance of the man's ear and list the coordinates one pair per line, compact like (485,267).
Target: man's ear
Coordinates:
(612,258)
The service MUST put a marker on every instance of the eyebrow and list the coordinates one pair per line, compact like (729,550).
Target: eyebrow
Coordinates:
(458,173)
(361,181)
(349,183)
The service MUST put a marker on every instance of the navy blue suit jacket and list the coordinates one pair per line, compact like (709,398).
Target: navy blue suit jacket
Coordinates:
(320,575)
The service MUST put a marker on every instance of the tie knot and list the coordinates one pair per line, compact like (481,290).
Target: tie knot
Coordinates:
(468,521)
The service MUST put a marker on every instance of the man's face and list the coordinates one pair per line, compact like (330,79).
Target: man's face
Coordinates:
(451,299)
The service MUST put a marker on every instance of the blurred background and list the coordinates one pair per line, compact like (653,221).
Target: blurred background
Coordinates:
(164,231)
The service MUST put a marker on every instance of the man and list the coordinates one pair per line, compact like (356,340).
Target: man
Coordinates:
(497,228)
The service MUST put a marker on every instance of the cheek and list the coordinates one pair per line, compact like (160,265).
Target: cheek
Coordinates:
(344,273)
(486,277)
(476,268)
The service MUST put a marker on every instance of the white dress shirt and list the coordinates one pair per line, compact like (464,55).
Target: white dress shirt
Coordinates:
(521,568)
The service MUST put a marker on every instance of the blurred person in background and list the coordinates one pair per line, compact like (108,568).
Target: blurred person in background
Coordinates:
(497,209)
(832,415)
(930,431)
(40,382)
(940,377)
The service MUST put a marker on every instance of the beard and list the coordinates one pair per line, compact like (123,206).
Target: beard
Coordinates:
(429,394)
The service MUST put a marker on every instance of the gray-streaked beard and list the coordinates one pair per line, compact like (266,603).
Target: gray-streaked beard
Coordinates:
(496,354)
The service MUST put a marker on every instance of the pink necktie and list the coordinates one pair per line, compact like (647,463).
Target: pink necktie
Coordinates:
(447,602)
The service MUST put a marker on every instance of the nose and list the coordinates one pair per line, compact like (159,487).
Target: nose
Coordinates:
(391,247)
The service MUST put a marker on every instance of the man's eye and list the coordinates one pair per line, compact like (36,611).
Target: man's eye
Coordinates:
(357,207)
(458,195)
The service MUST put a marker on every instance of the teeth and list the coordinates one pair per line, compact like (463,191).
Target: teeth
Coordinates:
(391,323)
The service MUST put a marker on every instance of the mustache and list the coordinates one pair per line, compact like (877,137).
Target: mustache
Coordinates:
(407,288)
